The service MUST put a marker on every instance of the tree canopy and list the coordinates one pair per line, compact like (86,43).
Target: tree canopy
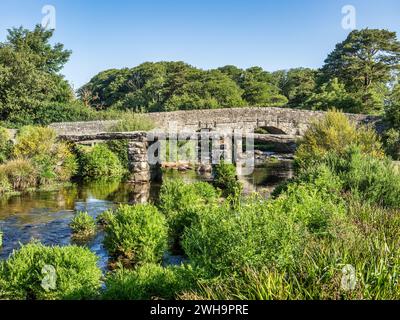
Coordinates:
(365,63)
(360,75)
(29,76)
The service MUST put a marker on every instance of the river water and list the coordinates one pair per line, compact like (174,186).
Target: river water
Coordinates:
(45,215)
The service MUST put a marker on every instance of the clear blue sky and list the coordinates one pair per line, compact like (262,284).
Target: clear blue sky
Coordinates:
(207,34)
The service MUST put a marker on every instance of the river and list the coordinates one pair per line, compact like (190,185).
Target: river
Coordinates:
(45,215)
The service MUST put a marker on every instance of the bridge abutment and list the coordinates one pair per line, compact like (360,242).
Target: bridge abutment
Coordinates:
(138,160)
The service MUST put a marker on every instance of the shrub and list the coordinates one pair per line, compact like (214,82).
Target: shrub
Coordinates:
(24,272)
(149,281)
(100,162)
(182,203)
(373,180)
(83,225)
(261,233)
(5,185)
(105,217)
(225,178)
(392,143)
(34,141)
(47,113)
(138,233)
(52,159)
(335,133)
(66,164)
(5,145)
(21,174)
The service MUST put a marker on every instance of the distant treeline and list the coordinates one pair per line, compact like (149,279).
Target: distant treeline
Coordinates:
(359,76)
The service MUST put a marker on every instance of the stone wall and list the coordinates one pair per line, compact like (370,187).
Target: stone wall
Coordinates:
(290,121)
(138,160)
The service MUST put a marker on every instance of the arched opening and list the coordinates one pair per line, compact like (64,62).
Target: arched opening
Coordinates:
(269,130)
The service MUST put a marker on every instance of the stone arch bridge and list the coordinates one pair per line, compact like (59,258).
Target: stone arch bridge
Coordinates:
(280,126)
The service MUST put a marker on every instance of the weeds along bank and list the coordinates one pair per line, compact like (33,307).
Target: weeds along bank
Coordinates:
(339,217)
(38,160)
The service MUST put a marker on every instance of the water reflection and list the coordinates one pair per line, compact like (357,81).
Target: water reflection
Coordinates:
(45,216)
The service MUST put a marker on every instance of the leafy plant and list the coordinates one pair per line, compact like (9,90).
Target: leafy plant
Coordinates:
(149,281)
(182,203)
(99,162)
(136,233)
(334,133)
(5,145)
(38,272)
(83,225)
(225,178)
(20,173)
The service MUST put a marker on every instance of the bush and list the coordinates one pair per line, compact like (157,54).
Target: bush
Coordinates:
(335,133)
(105,217)
(373,180)
(5,145)
(99,162)
(261,233)
(149,281)
(182,203)
(83,225)
(24,272)
(21,174)
(392,143)
(47,113)
(5,185)
(34,141)
(53,159)
(225,178)
(137,233)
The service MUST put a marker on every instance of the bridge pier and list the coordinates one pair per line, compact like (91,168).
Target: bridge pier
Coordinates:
(138,160)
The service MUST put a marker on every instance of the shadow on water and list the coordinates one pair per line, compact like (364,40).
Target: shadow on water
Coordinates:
(45,215)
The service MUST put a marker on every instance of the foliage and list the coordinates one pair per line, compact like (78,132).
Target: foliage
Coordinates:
(334,132)
(76,273)
(137,233)
(161,86)
(365,63)
(34,141)
(105,217)
(5,145)
(333,95)
(373,180)
(20,174)
(225,178)
(99,162)
(261,233)
(29,74)
(297,85)
(5,185)
(53,159)
(182,203)
(83,225)
(392,143)
(149,281)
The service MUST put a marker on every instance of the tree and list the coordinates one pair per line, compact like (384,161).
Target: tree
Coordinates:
(29,76)
(332,95)
(365,62)
(162,86)
(297,85)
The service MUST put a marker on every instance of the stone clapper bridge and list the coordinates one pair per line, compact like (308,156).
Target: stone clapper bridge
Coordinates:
(228,127)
